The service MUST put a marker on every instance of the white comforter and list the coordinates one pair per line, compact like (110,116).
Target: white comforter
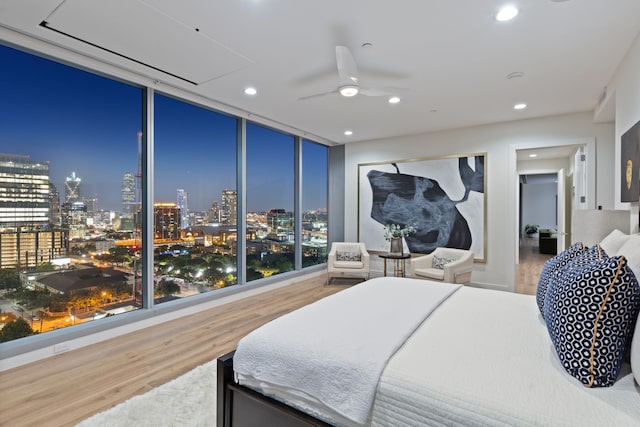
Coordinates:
(484,358)
(334,351)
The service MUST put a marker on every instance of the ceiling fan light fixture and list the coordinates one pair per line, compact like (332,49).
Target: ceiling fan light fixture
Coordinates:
(349,90)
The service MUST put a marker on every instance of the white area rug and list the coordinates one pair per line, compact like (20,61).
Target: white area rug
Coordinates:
(189,400)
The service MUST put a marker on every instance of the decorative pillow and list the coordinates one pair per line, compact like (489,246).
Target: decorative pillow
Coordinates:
(635,352)
(347,256)
(552,266)
(575,266)
(613,242)
(439,262)
(590,317)
(630,249)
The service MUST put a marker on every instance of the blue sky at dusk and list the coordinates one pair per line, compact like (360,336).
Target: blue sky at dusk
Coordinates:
(83,123)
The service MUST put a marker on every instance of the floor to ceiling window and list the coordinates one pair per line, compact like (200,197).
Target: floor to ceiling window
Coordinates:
(314,203)
(270,217)
(73,181)
(195,230)
(70,185)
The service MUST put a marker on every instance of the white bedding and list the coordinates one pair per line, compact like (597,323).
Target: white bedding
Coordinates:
(485,358)
(482,358)
(332,352)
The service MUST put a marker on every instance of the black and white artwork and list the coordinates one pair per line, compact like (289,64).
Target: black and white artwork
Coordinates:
(630,164)
(443,198)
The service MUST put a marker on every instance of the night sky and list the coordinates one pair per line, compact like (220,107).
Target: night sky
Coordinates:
(83,123)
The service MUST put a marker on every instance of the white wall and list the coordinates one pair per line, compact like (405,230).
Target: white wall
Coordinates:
(499,141)
(626,86)
(539,204)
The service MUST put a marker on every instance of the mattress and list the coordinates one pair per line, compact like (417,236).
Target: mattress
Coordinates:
(485,358)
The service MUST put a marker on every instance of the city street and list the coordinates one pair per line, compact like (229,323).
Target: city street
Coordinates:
(38,325)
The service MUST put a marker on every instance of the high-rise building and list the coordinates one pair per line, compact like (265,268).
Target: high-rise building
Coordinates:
(26,199)
(73,189)
(74,219)
(128,194)
(214,214)
(166,221)
(92,208)
(228,215)
(183,205)
(24,192)
(54,205)
(279,224)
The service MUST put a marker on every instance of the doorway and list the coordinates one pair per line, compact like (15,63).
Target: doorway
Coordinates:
(545,197)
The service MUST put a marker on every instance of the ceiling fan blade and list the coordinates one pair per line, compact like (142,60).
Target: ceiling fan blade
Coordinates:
(318,95)
(347,69)
(385,91)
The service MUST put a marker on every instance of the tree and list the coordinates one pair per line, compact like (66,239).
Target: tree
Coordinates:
(19,328)
(167,287)
(9,279)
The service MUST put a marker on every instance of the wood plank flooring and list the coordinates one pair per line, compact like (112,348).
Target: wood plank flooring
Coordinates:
(531,263)
(67,388)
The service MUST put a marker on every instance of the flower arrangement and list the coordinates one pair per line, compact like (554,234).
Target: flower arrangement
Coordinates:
(392,231)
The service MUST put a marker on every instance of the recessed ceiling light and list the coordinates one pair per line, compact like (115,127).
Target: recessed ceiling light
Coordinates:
(394,100)
(348,132)
(533,155)
(250,90)
(506,13)
(520,106)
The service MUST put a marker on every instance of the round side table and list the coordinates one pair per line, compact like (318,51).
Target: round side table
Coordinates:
(399,262)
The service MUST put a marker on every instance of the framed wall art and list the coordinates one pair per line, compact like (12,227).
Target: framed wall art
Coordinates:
(630,164)
(444,199)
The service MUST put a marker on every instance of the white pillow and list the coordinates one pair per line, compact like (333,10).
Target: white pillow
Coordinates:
(631,251)
(613,242)
(635,352)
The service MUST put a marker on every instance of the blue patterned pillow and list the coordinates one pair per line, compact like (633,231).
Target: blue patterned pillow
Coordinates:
(581,260)
(570,271)
(590,316)
(552,266)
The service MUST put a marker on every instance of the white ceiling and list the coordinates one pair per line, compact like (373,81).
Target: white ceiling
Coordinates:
(451,55)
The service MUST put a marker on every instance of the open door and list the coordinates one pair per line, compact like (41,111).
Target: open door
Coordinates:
(560,211)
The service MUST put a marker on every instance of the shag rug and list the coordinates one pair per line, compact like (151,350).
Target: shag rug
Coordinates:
(189,400)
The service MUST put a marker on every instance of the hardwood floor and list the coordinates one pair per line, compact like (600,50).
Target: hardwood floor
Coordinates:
(67,388)
(530,266)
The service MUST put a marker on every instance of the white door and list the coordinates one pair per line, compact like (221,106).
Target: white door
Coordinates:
(560,211)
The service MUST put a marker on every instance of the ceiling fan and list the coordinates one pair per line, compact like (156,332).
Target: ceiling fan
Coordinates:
(348,79)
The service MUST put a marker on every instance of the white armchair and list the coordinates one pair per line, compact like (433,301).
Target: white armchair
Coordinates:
(348,259)
(444,264)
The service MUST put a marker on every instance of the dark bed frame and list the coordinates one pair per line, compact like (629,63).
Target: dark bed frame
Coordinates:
(240,406)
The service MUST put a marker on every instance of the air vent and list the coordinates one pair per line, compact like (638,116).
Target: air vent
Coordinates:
(140,35)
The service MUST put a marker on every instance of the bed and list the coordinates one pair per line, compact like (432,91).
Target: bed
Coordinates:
(473,357)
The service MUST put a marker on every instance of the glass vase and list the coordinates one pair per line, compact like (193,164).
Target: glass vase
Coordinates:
(396,245)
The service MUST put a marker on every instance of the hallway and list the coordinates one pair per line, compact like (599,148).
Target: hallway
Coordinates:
(531,263)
